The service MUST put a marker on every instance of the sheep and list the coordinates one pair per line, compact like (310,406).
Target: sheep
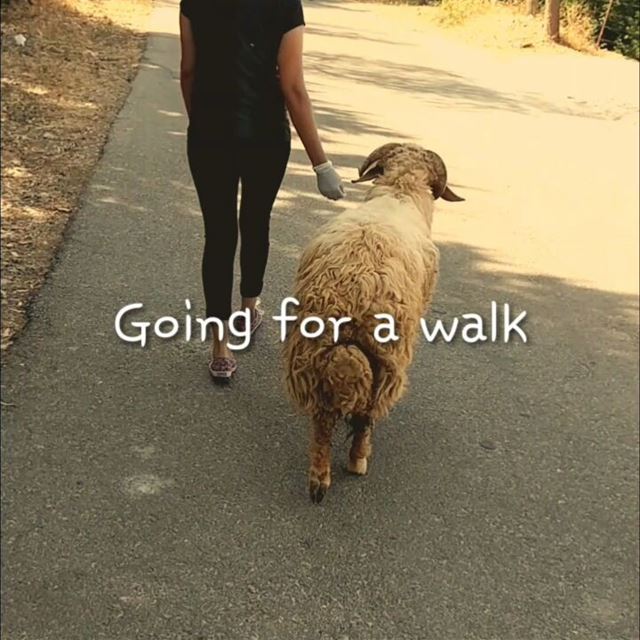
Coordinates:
(376,259)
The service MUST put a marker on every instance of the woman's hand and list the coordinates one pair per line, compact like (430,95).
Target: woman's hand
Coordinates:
(329,182)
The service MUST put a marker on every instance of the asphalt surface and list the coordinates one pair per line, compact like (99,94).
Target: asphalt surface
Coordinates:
(141,502)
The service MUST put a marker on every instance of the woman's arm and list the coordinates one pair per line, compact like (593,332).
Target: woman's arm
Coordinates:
(187,61)
(296,96)
(291,72)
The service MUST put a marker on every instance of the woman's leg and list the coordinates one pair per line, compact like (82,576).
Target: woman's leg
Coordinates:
(262,171)
(215,176)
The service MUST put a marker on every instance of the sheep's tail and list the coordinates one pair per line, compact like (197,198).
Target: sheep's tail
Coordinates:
(348,381)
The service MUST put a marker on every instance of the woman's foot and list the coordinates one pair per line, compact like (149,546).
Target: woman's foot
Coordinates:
(256,315)
(222,364)
(222,368)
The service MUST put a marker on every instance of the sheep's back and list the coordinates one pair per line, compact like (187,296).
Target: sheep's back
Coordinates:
(359,272)
(376,259)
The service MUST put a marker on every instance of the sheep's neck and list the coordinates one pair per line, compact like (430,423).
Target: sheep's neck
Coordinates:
(424,203)
(420,197)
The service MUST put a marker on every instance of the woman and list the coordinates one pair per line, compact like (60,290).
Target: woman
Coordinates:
(241,71)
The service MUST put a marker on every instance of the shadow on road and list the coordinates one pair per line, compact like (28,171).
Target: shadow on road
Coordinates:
(437,88)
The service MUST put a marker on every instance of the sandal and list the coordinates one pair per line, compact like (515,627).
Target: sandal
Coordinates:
(222,367)
(257,316)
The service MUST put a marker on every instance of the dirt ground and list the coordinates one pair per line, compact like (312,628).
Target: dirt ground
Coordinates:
(61,89)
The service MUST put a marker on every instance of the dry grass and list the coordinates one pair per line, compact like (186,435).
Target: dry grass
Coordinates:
(501,25)
(457,12)
(579,28)
(61,91)
(506,25)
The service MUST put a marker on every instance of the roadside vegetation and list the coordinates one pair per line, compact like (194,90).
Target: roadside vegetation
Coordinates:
(66,69)
(584,25)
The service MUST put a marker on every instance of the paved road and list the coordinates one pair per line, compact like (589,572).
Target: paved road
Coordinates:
(142,503)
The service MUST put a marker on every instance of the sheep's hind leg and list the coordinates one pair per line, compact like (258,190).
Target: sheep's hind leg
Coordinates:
(320,456)
(361,446)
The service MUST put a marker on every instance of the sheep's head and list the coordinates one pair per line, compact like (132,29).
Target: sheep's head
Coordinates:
(394,159)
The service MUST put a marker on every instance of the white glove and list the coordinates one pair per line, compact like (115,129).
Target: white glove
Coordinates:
(329,182)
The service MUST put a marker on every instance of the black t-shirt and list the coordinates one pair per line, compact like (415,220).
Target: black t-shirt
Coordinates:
(236,92)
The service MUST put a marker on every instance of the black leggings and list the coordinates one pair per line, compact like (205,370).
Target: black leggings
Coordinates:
(217,168)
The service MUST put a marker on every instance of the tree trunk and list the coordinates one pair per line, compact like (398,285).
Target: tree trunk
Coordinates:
(552,19)
(532,7)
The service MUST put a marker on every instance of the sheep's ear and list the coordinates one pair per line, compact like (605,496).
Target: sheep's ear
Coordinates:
(370,172)
(449,196)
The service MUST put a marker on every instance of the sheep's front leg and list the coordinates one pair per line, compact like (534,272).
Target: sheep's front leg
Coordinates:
(361,447)
(320,456)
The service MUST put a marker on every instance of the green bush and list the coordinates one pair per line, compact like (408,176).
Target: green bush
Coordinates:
(622,32)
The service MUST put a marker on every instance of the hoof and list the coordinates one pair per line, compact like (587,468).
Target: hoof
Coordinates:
(318,489)
(359,466)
